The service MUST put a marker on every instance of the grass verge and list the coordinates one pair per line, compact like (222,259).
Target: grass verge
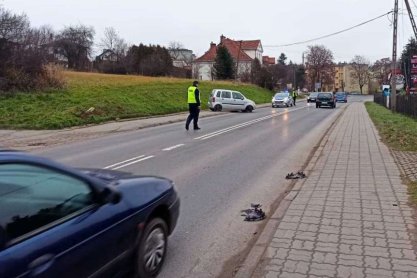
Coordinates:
(398,131)
(91,98)
(412,190)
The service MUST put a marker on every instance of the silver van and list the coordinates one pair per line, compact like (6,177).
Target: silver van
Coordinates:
(222,99)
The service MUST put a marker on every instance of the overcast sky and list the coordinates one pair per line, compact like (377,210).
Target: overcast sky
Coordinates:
(196,23)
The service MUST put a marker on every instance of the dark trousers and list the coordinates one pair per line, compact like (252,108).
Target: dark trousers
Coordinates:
(295,98)
(194,112)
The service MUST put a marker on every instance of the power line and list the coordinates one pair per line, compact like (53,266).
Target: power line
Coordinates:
(332,34)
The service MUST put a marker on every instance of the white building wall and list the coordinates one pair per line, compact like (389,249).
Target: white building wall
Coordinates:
(244,67)
(259,53)
(203,71)
(255,54)
(251,53)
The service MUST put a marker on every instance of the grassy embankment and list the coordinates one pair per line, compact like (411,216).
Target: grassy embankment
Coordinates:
(399,132)
(112,96)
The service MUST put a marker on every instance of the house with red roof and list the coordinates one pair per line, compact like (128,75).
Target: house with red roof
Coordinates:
(243,52)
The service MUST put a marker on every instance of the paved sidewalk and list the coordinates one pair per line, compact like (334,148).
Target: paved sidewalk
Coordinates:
(351,216)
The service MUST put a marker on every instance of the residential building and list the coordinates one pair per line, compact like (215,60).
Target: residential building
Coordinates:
(266,60)
(107,55)
(343,80)
(243,52)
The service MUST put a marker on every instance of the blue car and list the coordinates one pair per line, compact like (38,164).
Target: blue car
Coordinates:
(56,221)
(341,97)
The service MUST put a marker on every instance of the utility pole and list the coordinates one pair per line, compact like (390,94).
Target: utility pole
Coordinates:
(394,59)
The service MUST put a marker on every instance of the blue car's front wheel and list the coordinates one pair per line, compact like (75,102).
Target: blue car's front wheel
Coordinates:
(152,249)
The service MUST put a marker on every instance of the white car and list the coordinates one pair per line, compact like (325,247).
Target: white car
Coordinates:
(223,99)
(282,99)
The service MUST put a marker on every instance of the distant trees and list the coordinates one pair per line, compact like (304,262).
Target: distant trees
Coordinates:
(224,65)
(409,50)
(112,41)
(380,71)
(75,44)
(175,48)
(361,73)
(320,66)
(113,57)
(24,55)
(282,58)
(152,60)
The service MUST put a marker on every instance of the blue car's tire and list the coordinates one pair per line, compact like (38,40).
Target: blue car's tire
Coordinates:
(152,249)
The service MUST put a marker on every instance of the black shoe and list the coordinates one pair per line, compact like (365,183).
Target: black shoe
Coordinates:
(186,127)
(197,128)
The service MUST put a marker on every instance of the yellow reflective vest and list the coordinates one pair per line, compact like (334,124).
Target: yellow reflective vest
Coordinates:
(191,94)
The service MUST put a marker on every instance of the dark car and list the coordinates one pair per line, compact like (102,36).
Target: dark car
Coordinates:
(325,99)
(57,221)
(312,97)
(341,96)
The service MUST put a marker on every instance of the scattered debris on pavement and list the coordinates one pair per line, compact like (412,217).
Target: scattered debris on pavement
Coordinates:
(255,213)
(298,175)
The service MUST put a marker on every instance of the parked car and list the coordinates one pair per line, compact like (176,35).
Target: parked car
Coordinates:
(282,99)
(341,96)
(312,97)
(326,99)
(56,221)
(222,99)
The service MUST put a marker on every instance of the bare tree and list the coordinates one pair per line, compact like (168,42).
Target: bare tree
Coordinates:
(380,71)
(174,49)
(75,43)
(13,27)
(112,41)
(24,54)
(361,73)
(319,65)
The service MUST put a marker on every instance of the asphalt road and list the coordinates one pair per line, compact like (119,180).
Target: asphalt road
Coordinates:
(236,159)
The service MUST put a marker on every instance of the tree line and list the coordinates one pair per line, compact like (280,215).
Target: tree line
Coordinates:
(33,58)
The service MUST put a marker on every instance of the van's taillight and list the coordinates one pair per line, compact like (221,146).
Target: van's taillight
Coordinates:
(213,99)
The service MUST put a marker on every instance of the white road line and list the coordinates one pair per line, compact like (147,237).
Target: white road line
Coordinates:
(235,126)
(222,131)
(130,159)
(173,147)
(133,162)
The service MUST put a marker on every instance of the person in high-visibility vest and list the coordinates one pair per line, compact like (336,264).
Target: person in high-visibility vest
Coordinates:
(193,106)
(294,95)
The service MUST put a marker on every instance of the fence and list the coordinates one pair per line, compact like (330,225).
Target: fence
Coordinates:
(406,104)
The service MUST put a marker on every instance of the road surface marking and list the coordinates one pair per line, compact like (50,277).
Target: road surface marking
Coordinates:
(130,159)
(228,129)
(173,147)
(133,162)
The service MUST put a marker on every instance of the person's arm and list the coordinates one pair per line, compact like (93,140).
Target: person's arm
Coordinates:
(197,96)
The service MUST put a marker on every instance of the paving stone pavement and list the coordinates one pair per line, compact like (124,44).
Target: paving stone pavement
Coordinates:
(351,217)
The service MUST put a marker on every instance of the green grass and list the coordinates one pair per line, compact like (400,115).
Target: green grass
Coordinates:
(398,131)
(112,96)
(412,189)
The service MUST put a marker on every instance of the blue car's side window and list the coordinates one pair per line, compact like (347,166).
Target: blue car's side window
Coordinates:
(33,197)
